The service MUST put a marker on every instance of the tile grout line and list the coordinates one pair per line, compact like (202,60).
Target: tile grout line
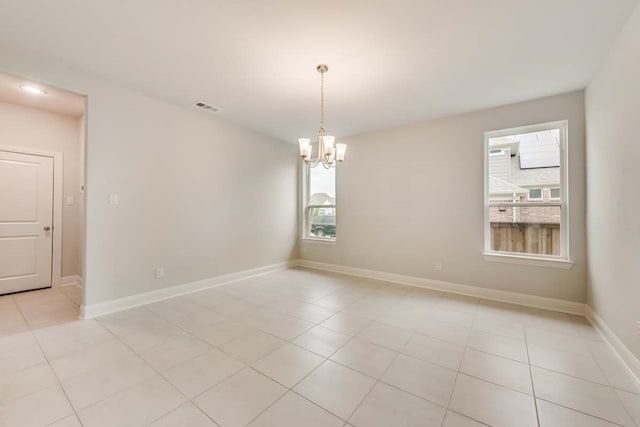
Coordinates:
(398,353)
(377,381)
(46,358)
(287,390)
(599,365)
(58,380)
(327,358)
(455,381)
(291,389)
(24,320)
(265,355)
(581,412)
(465,416)
(161,374)
(188,402)
(158,373)
(533,386)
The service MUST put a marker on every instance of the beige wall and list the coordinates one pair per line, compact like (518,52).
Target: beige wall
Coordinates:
(413,196)
(204,198)
(613,183)
(26,127)
(197,196)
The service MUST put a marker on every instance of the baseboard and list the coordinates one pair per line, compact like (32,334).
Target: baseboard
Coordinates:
(94,310)
(454,288)
(68,280)
(616,343)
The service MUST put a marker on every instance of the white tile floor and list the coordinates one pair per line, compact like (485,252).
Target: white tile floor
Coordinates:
(303,348)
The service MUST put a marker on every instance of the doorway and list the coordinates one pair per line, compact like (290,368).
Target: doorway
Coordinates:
(42,146)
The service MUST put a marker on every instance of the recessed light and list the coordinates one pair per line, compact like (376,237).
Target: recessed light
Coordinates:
(32,89)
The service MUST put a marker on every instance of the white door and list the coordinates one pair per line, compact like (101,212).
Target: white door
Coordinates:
(26,221)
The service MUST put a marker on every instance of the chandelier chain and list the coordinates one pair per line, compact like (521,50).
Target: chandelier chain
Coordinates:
(322,100)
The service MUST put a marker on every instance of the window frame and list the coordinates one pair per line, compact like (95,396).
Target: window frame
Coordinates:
(305,229)
(556,261)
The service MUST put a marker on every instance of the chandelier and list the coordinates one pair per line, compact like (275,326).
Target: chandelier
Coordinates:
(328,152)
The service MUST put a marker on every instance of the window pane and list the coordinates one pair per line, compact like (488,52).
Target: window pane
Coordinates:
(520,165)
(321,218)
(322,222)
(554,193)
(530,230)
(535,193)
(322,186)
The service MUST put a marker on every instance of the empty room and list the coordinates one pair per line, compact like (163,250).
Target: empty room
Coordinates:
(306,214)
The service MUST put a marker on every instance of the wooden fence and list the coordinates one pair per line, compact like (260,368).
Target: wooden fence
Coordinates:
(530,238)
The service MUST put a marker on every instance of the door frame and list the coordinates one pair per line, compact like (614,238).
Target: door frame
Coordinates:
(56,255)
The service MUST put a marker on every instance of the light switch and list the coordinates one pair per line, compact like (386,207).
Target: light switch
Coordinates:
(70,201)
(113,199)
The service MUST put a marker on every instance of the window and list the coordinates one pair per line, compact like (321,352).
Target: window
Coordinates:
(519,222)
(320,203)
(535,194)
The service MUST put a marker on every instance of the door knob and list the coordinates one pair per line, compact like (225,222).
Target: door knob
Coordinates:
(46,228)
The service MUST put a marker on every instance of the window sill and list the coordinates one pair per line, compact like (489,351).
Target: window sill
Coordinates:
(528,260)
(318,241)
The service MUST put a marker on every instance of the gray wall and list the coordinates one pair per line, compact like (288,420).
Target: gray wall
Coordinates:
(413,196)
(613,155)
(30,128)
(197,196)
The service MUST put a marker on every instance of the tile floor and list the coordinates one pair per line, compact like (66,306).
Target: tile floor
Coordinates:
(304,348)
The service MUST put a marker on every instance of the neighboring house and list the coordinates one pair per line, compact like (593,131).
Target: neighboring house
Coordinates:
(524,168)
(323,199)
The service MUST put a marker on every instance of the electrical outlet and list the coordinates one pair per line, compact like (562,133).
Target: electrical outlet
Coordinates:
(159,272)
(438,266)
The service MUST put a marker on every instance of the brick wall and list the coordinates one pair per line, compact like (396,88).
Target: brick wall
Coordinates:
(535,214)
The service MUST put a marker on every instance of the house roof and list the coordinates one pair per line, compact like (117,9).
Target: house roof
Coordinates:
(548,176)
(500,186)
(321,199)
(539,149)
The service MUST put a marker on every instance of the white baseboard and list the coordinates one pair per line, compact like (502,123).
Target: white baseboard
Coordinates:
(68,280)
(94,310)
(618,346)
(454,288)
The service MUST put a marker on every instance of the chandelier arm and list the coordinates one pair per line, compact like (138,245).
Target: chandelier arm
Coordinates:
(313,164)
(319,154)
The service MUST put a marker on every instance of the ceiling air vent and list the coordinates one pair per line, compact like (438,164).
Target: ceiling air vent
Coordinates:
(206,107)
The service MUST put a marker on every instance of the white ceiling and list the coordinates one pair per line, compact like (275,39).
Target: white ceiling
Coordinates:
(55,100)
(391,62)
